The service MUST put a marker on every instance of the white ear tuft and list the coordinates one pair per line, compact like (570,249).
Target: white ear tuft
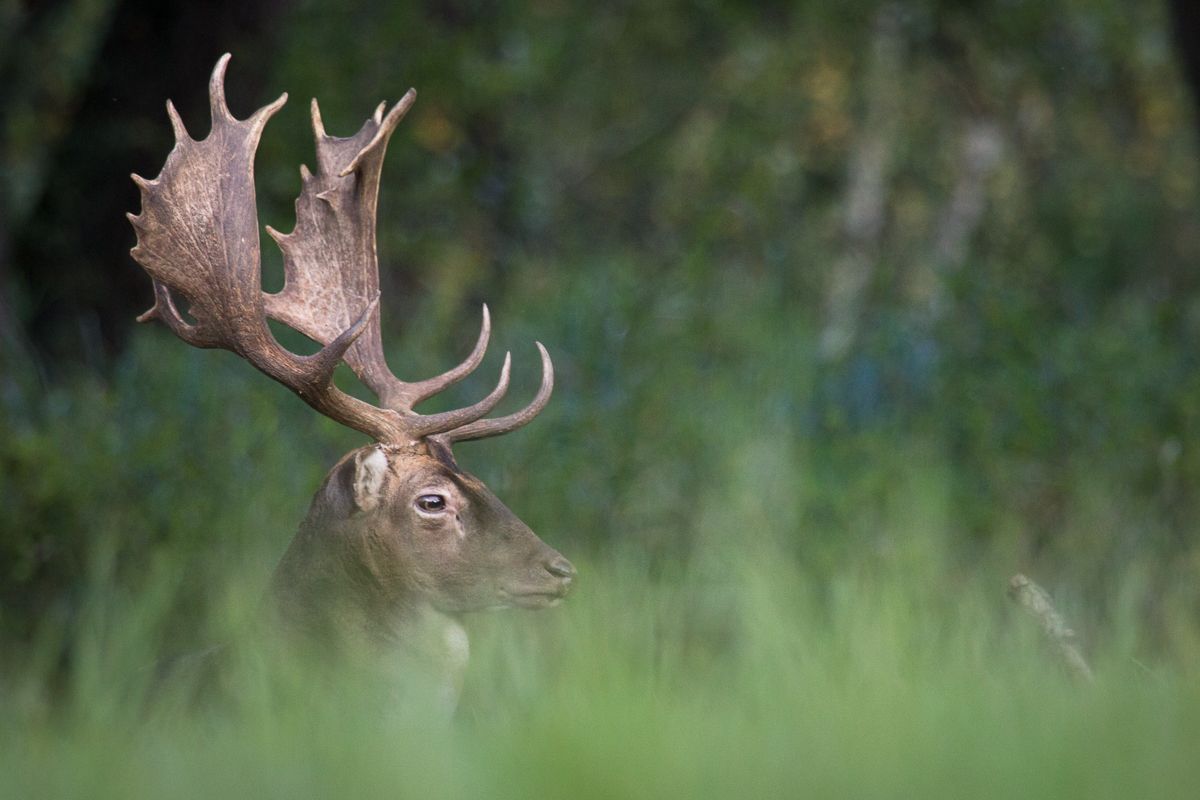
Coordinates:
(370,468)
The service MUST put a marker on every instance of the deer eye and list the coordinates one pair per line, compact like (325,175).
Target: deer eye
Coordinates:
(431,503)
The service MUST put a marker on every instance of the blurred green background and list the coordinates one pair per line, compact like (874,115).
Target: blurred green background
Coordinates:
(879,301)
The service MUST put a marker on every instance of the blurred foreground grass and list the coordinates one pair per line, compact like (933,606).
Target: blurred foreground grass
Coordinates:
(766,682)
(815,623)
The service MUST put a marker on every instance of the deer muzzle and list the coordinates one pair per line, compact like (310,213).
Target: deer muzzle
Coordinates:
(551,581)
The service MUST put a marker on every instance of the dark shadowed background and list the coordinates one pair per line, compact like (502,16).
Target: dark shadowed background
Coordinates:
(795,262)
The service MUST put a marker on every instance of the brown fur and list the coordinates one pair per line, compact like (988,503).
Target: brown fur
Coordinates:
(373,563)
(389,576)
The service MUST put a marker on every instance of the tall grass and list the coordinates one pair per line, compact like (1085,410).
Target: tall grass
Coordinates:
(827,630)
(744,675)
(793,570)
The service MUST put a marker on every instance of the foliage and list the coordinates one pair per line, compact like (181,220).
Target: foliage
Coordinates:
(856,309)
(105,478)
(758,680)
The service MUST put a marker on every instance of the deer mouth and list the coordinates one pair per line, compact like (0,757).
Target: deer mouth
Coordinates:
(544,598)
(542,589)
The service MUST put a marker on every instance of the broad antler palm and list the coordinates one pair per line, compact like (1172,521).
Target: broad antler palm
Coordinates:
(198,238)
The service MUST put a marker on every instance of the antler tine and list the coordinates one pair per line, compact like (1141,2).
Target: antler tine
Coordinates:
(486,428)
(408,395)
(429,424)
(216,92)
(198,237)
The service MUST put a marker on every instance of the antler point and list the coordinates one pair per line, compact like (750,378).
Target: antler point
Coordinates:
(400,109)
(177,125)
(317,123)
(216,92)
(386,127)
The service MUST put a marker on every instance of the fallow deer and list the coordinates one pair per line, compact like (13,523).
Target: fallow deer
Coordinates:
(398,540)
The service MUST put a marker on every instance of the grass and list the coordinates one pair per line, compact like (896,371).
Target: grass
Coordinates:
(793,571)
(864,651)
(768,682)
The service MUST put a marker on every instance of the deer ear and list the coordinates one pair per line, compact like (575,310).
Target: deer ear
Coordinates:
(370,469)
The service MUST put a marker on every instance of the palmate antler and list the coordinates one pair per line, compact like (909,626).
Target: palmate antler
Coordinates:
(198,237)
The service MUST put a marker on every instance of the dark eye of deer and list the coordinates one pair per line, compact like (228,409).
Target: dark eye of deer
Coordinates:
(431,502)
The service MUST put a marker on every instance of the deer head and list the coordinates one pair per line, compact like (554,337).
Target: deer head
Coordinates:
(397,533)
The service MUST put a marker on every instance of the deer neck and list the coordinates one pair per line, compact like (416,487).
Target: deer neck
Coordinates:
(432,648)
(337,586)
(336,607)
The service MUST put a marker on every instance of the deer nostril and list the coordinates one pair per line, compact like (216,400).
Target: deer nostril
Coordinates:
(559,567)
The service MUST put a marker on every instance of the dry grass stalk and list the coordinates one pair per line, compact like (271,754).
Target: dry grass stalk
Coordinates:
(1036,601)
